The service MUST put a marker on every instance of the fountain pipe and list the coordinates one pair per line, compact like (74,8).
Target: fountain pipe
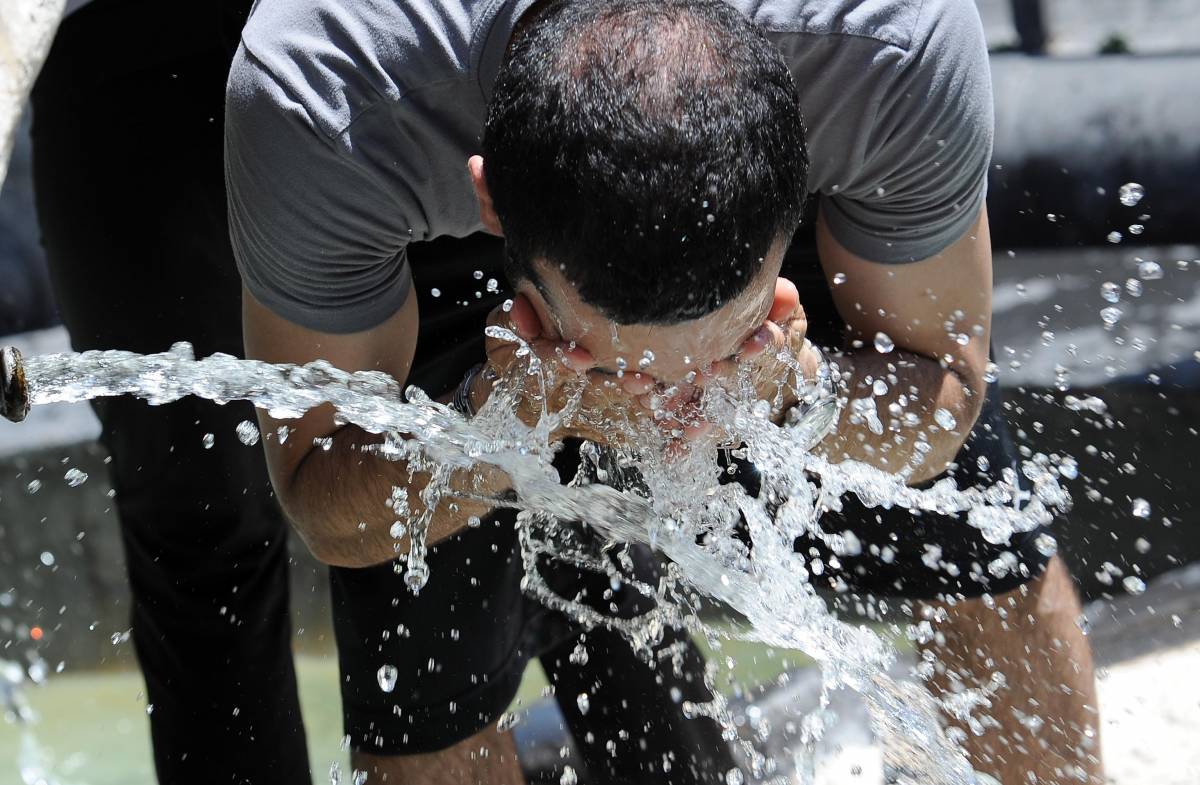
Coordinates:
(14,391)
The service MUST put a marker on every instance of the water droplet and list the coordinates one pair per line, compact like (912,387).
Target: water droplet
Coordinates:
(335,773)
(435,292)
(735,777)
(884,343)
(1130,194)
(478,275)
(1134,584)
(569,777)
(209,440)
(1110,292)
(1134,287)
(1136,229)
(282,433)
(33,487)
(839,279)
(579,655)
(1110,315)
(1149,270)
(945,419)
(508,720)
(1046,544)
(416,576)
(47,558)
(506,306)
(1142,545)
(398,530)
(359,777)
(247,433)
(386,676)
(710,217)
(473,522)
(1114,237)
(493,285)
(583,702)
(1141,508)
(991,373)
(75,477)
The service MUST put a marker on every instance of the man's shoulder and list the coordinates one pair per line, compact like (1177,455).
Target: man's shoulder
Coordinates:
(336,59)
(899,24)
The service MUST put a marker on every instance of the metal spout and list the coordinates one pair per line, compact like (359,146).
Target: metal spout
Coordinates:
(14,392)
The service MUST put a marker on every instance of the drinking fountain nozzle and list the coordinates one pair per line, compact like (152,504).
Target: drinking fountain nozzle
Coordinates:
(14,392)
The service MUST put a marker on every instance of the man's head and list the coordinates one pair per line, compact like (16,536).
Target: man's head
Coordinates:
(645,159)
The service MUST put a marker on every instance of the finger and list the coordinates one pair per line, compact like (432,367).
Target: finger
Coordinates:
(637,383)
(524,318)
(604,381)
(697,430)
(568,355)
(769,335)
(786,302)
(719,369)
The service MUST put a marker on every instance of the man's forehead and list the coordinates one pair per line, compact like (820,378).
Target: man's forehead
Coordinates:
(666,349)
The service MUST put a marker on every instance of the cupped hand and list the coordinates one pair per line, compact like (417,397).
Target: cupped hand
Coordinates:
(607,406)
(768,361)
(777,352)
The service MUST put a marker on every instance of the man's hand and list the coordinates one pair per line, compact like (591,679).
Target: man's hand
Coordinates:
(771,376)
(607,405)
(778,352)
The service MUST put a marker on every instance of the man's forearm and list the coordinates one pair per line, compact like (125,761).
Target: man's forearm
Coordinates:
(340,501)
(892,419)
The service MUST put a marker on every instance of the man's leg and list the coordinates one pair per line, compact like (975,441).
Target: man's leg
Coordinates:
(425,678)
(1046,729)
(487,758)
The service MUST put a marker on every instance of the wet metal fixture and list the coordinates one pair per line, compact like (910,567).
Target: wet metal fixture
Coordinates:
(14,393)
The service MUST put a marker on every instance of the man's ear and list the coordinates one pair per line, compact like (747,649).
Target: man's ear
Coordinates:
(487,213)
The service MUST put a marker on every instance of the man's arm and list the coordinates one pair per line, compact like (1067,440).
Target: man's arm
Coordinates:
(924,308)
(336,499)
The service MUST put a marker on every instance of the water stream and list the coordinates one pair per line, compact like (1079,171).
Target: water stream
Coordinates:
(675,505)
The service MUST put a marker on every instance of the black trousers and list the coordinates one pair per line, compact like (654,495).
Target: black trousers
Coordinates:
(128,173)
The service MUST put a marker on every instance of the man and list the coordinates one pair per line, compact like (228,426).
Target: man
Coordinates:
(644,160)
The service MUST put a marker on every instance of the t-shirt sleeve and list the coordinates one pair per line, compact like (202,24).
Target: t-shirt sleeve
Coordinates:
(924,176)
(317,238)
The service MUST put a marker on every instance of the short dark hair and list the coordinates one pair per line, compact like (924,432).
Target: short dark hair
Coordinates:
(647,147)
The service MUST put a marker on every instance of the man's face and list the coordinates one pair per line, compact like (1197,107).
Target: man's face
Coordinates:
(666,352)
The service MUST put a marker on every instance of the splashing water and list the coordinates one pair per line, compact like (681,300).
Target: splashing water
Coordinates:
(673,504)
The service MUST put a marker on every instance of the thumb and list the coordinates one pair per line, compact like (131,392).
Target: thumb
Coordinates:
(786,302)
(524,318)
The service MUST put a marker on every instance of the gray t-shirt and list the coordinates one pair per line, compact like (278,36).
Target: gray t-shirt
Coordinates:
(349,126)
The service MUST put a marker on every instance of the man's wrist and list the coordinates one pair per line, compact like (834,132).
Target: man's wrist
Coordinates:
(479,387)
